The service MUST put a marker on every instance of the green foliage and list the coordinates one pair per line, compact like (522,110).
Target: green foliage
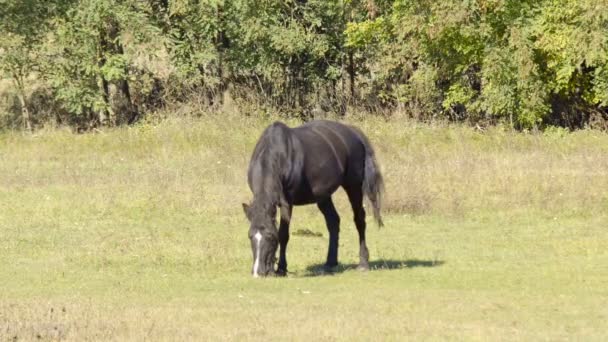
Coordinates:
(193,32)
(293,47)
(16,55)
(23,24)
(523,62)
(573,35)
(87,46)
(365,33)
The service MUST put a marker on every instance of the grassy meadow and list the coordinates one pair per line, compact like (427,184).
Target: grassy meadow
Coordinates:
(137,233)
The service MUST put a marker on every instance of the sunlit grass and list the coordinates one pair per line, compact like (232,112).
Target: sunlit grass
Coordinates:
(137,233)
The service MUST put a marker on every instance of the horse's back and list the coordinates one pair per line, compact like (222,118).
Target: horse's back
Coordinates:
(334,155)
(340,136)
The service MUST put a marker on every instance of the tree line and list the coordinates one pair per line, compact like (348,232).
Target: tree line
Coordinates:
(523,63)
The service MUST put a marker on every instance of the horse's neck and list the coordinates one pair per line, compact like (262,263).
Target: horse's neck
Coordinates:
(265,203)
(269,190)
(269,175)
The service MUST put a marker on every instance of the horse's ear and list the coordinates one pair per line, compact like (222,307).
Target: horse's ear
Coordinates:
(246,210)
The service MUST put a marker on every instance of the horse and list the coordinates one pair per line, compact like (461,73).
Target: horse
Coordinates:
(306,165)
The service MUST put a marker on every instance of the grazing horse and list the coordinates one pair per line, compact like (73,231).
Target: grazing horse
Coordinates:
(305,165)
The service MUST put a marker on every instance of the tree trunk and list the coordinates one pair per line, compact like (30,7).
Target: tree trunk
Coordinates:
(351,63)
(124,88)
(219,46)
(25,112)
(133,111)
(342,99)
(301,89)
(102,83)
(104,113)
(220,76)
(351,73)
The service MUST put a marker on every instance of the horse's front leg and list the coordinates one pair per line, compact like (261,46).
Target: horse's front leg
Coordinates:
(283,239)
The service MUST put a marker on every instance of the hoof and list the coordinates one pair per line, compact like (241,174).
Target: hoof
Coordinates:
(281,273)
(329,268)
(363,267)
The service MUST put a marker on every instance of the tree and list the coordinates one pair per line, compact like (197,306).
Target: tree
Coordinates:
(89,54)
(198,35)
(291,49)
(572,37)
(23,25)
(522,62)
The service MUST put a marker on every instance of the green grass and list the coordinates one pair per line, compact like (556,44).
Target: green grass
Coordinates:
(138,233)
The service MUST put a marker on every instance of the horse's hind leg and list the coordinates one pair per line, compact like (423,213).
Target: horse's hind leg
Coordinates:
(332,219)
(355,196)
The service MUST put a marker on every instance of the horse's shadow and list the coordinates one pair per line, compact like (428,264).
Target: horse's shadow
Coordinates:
(378,265)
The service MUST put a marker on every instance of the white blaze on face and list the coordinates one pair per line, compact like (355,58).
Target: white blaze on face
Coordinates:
(256,264)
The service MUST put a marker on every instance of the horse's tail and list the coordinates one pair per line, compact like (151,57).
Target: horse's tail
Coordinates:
(373,183)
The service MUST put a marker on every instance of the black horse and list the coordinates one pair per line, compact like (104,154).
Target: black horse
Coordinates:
(305,165)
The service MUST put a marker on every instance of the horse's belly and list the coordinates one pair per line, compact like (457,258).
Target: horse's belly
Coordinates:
(314,190)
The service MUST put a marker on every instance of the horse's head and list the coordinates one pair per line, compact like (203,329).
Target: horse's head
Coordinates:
(264,239)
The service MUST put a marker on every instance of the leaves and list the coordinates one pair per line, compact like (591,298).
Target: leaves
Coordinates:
(495,60)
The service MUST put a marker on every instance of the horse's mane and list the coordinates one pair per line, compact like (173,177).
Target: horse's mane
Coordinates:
(269,155)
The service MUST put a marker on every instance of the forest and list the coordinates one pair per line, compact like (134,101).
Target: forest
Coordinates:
(92,63)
